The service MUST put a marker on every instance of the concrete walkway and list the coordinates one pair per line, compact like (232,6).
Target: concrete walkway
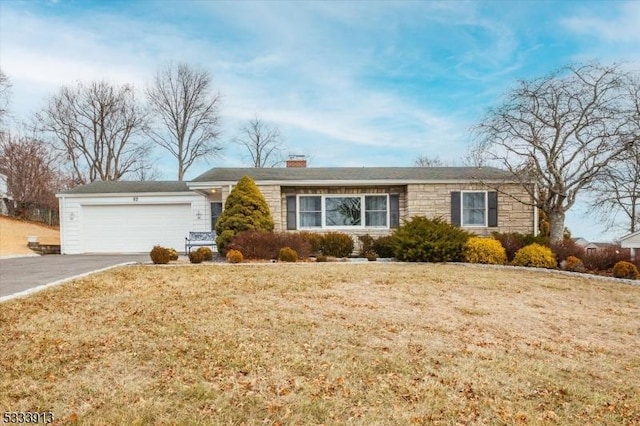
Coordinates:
(22,274)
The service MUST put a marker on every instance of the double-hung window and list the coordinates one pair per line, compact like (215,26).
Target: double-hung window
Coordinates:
(343,211)
(474,209)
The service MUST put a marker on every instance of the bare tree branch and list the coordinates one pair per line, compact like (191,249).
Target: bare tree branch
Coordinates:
(263,143)
(96,126)
(559,132)
(617,186)
(185,111)
(32,173)
(5,86)
(426,161)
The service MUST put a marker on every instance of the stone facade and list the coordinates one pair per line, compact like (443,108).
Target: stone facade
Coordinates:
(434,200)
(426,199)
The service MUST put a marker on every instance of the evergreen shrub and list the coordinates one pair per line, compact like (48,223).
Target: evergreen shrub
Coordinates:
(626,270)
(160,255)
(536,256)
(573,264)
(206,252)
(173,254)
(484,250)
(429,240)
(244,210)
(234,256)
(383,246)
(287,254)
(336,244)
(196,256)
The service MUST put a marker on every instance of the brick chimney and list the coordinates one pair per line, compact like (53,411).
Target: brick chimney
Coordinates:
(297,161)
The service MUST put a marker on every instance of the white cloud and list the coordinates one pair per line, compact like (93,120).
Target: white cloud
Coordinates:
(624,28)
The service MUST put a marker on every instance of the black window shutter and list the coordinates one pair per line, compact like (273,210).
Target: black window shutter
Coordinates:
(394,210)
(291,212)
(493,208)
(455,208)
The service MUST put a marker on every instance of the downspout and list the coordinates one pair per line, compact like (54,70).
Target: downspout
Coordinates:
(536,225)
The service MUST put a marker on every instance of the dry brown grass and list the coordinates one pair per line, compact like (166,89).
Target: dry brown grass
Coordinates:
(325,344)
(14,233)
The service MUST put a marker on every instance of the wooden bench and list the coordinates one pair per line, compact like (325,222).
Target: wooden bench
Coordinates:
(200,239)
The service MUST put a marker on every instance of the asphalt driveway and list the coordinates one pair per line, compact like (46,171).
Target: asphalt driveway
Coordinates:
(24,273)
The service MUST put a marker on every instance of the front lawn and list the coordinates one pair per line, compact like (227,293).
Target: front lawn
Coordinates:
(325,343)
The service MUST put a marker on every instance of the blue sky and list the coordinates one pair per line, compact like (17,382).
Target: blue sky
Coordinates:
(348,83)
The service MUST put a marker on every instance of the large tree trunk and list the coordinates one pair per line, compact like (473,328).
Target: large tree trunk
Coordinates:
(556,225)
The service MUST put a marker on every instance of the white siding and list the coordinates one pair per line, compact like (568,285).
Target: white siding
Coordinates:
(129,223)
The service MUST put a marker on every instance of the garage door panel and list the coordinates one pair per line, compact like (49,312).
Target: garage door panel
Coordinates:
(137,228)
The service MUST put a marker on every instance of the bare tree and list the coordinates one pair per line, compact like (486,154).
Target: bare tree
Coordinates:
(559,132)
(185,110)
(263,143)
(425,161)
(5,86)
(617,187)
(31,171)
(96,127)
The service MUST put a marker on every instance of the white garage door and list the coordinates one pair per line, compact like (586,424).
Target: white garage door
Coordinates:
(133,229)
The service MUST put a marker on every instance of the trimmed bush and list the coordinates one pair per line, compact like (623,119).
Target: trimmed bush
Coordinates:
(383,246)
(196,256)
(567,248)
(366,245)
(160,255)
(573,264)
(287,254)
(484,250)
(626,270)
(536,256)
(336,244)
(429,240)
(371,256)
(262,245)
(314,240)
(173,254)
(206,252)
(234,256)
(514,241)
(245,210)
(322,258)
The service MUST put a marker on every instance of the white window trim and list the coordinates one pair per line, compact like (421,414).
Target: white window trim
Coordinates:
(323,212)
(486,209)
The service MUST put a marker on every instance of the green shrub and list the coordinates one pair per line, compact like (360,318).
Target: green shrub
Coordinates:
(234,256)
(173,254)
(626,270)
(536,256)
(383,246)
(206,252)
(287,254)
(196,256)
(429,240)
(573,264)
(160,255)
(336,244)
(484,250)
(265,245)
(244,210)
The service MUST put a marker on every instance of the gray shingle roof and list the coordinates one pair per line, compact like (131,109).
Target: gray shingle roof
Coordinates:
(354,173)
(129,187)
